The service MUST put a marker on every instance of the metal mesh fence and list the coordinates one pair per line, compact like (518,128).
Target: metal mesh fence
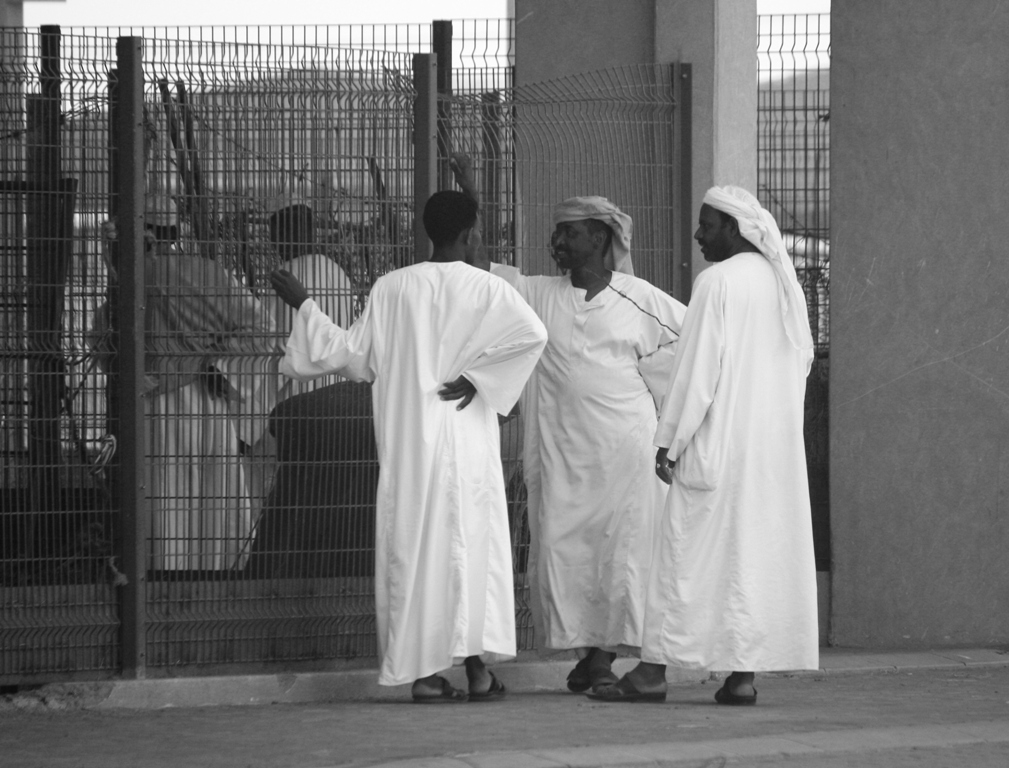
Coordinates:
(59,609)
(262,147)
(793,174)
(256,155)
(794,146)
(309,155)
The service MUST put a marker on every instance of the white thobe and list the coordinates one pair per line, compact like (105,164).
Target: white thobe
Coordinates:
(330,288)
(590,415)
(733,583)
(443,586)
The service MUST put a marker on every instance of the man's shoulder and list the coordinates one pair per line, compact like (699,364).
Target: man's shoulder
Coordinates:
(317,267)
(634,282)
(638,285)
(743,272)
(744,267)
(445,272)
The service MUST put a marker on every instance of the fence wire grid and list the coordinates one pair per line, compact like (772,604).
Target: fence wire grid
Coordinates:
(265,147)
(793,179)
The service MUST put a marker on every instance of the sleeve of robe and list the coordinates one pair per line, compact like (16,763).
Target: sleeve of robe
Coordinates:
(697,368)
(317,346)
(511,338)
(513,276)
(657,367)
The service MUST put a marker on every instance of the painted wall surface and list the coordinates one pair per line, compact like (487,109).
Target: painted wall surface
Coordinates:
(919,384)
(556,38)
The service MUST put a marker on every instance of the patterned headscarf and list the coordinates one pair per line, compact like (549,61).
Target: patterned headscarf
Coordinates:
(601,209)
(758,226)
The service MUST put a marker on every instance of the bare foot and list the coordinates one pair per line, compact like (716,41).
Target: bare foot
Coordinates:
(648,678)
(740,683)
(427,686)
(477,675)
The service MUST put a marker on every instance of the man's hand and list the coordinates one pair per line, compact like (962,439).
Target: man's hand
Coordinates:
(288,288)
(462,169)
(460,389)
(664,467)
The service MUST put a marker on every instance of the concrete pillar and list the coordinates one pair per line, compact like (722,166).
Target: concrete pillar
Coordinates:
(11,13)
(919,330)
(719,37)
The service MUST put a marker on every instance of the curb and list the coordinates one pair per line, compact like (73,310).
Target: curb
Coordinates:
(362,685)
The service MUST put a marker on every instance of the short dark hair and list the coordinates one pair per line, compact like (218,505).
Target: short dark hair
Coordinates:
(292,224)
(163,233)
(447,214)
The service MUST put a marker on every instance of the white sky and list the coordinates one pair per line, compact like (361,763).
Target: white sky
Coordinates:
(162,13)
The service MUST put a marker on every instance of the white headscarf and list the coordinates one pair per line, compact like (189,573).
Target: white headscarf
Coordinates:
(601,209)
(758,226)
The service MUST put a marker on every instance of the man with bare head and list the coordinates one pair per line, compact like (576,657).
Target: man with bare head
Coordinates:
(448,348)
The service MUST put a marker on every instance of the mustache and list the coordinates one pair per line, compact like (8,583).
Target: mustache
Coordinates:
(557,254)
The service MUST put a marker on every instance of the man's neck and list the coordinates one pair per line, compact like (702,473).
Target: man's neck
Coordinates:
(446,255)
(589,277)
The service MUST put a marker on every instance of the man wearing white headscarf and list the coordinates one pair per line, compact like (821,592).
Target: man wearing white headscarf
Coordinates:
(733,583)
(589,412)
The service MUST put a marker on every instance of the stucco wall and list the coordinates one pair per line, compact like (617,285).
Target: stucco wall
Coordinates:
(919,386)
(556,38)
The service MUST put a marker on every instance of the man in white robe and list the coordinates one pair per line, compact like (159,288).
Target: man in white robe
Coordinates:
(443,586)
(589,413)
(733,583)
(293,529)
(201,326)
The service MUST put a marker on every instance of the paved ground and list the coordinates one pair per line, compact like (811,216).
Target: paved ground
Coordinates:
(929,709)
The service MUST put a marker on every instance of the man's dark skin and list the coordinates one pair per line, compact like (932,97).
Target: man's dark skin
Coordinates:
(466,247)
(578,247)
(719,238)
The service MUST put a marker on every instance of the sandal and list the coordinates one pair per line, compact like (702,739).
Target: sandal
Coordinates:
(578,678)
(449,695)
(496,692)
(624,691)
(724,696)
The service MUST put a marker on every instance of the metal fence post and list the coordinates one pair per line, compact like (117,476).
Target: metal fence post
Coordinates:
(683,220)
(128,149)
(441,46)
(46,275)
(425,146)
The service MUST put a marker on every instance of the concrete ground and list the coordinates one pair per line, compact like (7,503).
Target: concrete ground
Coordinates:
(940,708)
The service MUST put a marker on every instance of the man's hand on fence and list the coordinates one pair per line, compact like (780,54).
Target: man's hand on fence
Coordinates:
(288,288)
(462,169)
